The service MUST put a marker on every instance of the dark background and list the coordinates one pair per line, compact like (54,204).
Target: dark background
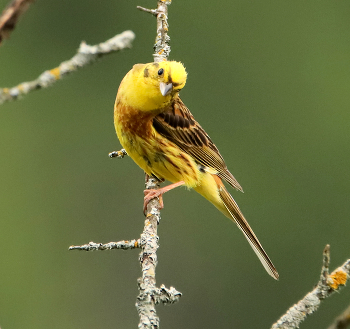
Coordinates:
(269,81)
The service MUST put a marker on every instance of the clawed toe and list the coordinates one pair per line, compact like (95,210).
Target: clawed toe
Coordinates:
(151,194)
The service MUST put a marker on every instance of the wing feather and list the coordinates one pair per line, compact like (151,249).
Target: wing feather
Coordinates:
(242,223)
(178,125)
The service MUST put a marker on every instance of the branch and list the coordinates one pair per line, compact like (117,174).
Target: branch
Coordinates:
(149,295)
(146,301)
(125,244)
(154,12)
(161,47)
(86,55)
(118,154)
(328,284)
(342,321)
(10,16)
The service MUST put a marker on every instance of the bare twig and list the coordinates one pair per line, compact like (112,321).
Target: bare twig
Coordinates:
(327,284)
(85,55)
(154,12)
(125,244)
(161,47)
(149,294)
(342,321)
(166,296)
(146,301)
(118,154)
(10,16)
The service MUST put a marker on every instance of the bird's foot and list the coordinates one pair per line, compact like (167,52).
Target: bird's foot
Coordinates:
(158,193)
(151,194)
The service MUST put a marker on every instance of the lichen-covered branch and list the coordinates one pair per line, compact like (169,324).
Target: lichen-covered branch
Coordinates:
(125,244)
(342,321)
(149,295)
(161,46)
(327,284)
(86,55)
(118,154)
(10,16)
(145,302)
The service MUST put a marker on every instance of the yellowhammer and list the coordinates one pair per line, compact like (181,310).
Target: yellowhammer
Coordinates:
(161,135)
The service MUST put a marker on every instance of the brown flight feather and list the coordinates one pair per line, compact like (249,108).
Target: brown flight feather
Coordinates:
(242,223)
(178,125)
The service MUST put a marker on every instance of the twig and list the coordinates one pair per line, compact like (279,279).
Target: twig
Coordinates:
(146,301)
(125,244)
(342,321)
(85,55)
(154,12)
(10,16)
(149,295)
(118,154)
(327,284)
(161,46)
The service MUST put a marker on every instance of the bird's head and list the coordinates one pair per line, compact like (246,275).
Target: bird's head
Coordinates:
(168,78)
(154,85)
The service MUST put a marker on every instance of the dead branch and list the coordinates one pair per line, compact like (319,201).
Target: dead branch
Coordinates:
(86,55)
(327,285)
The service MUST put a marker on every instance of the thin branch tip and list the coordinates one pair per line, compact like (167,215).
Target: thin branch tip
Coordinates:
(85,55)
(124,244)
(118,154)
(327,285)
(154,12)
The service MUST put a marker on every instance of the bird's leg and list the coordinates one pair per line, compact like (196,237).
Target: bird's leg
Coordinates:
(151,194)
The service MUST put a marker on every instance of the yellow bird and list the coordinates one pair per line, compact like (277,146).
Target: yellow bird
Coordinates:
(161,135)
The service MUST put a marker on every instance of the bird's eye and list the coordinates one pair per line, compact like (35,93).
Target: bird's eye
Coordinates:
(161,71)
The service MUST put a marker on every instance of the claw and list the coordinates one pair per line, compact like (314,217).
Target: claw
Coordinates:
(152,193)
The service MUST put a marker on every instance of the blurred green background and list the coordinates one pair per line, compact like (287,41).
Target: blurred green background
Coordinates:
(269,81)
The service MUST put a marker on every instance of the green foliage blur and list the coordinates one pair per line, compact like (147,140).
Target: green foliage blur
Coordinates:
(269,81)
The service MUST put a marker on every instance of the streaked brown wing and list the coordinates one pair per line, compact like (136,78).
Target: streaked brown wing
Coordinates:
(178,125)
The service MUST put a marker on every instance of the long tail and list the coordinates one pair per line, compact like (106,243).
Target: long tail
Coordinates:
(219,197)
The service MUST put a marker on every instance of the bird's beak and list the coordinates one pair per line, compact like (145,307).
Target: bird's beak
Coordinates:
(165,88)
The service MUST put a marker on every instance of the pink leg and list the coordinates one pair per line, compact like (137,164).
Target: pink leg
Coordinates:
(151,194)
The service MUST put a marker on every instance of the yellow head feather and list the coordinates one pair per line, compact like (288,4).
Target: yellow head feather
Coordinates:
(141,87)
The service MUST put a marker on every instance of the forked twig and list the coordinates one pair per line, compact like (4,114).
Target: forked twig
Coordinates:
(327,285)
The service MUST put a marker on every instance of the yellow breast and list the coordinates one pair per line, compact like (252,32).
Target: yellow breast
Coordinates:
(152,152)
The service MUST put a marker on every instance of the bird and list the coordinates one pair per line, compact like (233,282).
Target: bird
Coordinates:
(160,134)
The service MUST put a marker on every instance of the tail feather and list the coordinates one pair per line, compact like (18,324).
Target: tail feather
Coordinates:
(238,218)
